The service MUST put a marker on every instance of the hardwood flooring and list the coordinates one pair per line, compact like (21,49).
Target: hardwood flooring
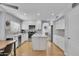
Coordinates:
(26,50)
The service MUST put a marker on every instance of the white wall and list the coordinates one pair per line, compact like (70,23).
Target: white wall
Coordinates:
(15,23)
(38,24)
(72,32)
(2,26)
(25,24)
(3,18)
(11,17)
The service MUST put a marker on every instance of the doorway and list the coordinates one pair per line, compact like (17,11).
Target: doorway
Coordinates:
(31,31)
(52,33)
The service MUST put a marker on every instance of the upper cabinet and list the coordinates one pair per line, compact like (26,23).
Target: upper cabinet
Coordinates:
(15,27)
(13,24)
(60,24)
(38,24)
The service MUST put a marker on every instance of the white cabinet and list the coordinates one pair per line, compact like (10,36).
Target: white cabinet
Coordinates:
(24,37)
(59,41)
(39,42)
(16,38)
(60,24)
(59,32)
(43,43)
(35,43)
(14,27)
(2,26)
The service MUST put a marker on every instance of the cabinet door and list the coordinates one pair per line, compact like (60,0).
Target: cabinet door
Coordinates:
(43,43)
(60,24)
(35,43)
(24,37)
(16,38)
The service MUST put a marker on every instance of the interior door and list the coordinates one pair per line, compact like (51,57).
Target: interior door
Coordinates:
(73,32)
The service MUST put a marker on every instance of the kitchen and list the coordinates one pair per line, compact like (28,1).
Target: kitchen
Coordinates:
(21,31)
(39,29)
(33,27)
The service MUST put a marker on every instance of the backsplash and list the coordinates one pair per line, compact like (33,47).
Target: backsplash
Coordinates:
(60,32)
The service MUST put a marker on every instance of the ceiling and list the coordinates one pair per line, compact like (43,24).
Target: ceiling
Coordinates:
(42,11)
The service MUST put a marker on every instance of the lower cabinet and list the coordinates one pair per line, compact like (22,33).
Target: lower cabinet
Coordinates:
(24,37)
(20,38)
(59,41)
(39,43)
(16,38)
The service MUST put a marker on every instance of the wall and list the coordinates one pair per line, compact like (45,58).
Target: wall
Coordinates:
(25,24)
(15,22)
(38,24)
(72,32)
(2,26)
(12,18)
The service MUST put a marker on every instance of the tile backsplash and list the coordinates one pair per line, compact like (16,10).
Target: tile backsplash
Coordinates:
(60,32)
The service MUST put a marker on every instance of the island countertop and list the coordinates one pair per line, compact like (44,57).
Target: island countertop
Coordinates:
(39,35)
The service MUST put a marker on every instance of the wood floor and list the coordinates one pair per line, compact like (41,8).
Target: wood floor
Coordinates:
(26,50)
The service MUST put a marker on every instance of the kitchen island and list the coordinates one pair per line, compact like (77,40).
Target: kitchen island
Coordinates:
(39,41)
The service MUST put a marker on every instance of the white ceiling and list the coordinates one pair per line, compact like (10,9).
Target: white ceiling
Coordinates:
(42,11)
